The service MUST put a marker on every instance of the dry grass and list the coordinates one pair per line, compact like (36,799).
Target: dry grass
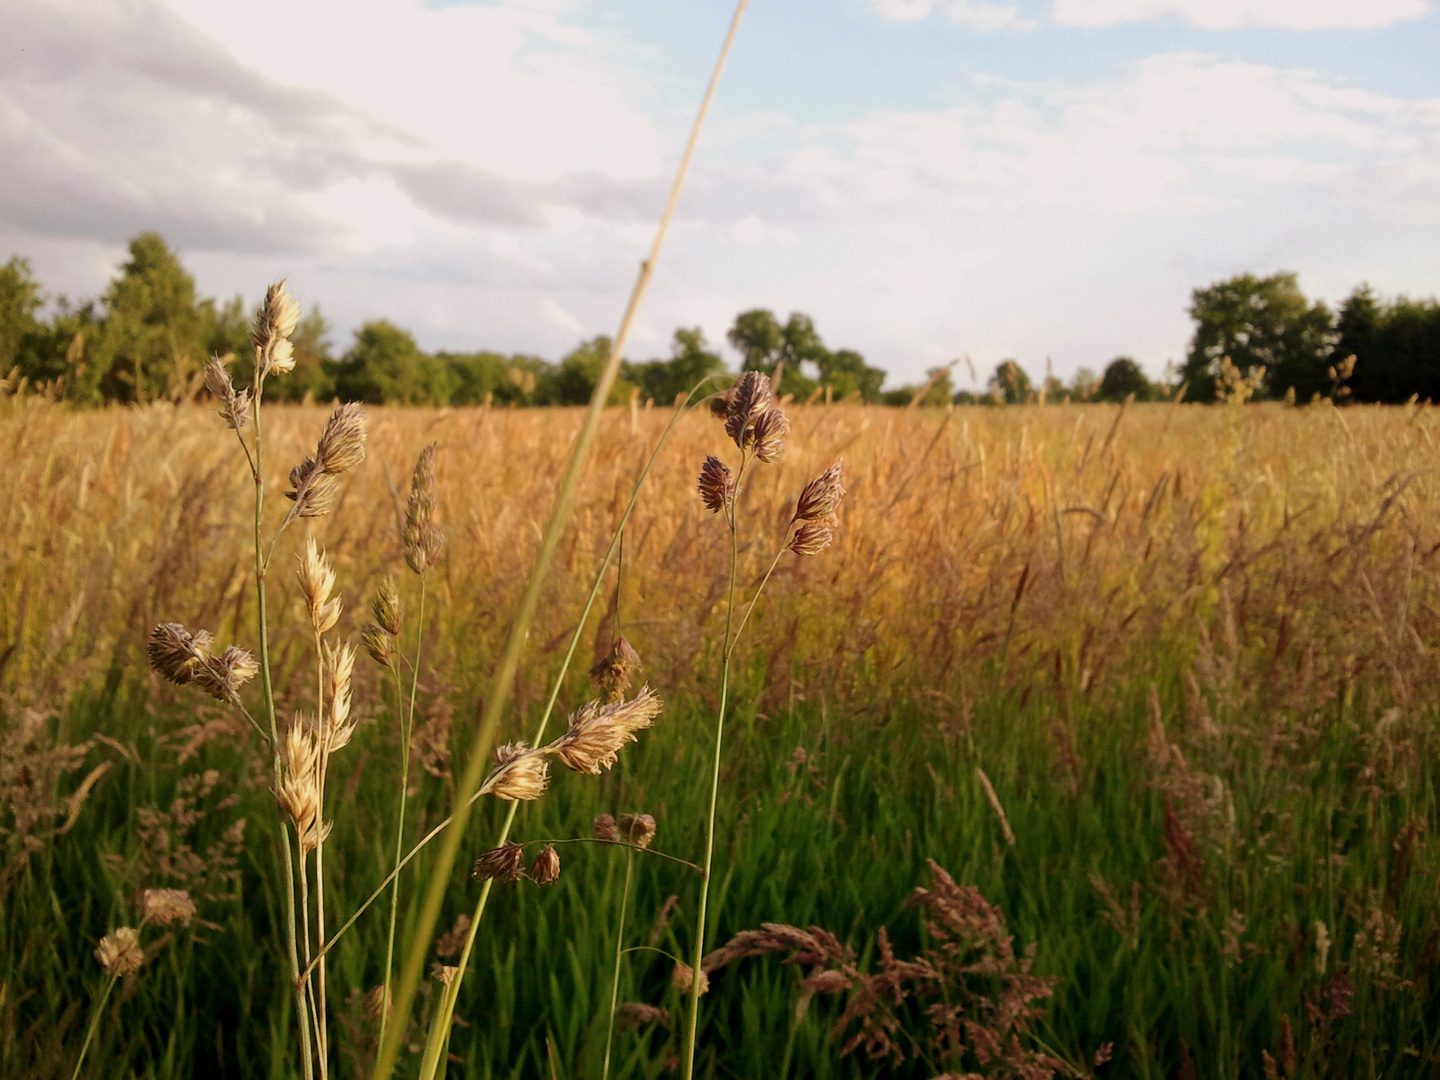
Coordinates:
(1284,557)
(1031,538)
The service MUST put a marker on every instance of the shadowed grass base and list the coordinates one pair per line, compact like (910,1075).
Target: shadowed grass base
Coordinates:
(1185,958)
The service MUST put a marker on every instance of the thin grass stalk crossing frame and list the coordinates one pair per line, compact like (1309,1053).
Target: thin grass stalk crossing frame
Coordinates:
(619,953)
(692,1022)
(505,673)
(261,566)
(616,543)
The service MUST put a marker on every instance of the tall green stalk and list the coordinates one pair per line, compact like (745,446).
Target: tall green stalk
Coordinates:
(502,683)
(619,952)
(406,726)
(287,856)
(692,1024)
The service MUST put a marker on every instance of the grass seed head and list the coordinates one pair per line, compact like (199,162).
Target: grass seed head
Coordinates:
(423,538)
(165,906)
(820,500)
(317,579)
(342,443)
(520,775)
(772,428)
(684,974)
(222,676)
(504,863)
(597,732)
(752,396)
(811,539)
(274,324)
(638,829)
(234,405)
(119,952)
(445,973)
(612,674)
(545,869)
(176,653)
(312,489)
(378,644)
(339,666)
(717,485)
(634,1015)
(604,828)
(389,612)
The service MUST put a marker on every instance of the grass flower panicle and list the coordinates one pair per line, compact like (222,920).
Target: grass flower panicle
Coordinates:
(119,952)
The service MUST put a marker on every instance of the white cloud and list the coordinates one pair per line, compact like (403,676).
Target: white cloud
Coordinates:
(975,15)
(1233,14)
(1073,218)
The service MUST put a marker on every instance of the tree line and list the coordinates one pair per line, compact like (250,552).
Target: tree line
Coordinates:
(148,335)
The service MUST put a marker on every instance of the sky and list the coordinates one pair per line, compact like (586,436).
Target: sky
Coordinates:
(1044,180)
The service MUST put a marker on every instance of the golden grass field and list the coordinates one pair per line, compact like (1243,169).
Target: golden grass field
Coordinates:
(1314,523)
(1193,646)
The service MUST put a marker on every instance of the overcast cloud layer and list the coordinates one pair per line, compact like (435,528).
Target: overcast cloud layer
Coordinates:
(489,175)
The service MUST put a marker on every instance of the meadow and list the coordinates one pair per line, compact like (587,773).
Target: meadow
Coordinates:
(1157,680)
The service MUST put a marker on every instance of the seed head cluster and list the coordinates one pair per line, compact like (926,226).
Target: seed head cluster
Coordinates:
(749,399)
(612,674)
(521,774)
(314,483)
(817,512)
(276,321)
(423,537)
(597,732)
(165,906)
(317,579)
(717,485)
(504,863)
(182,657)
(381,637)
(119,952)
(234,404)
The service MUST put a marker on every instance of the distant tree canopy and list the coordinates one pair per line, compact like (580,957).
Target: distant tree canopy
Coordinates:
(1009,383)
(1259,323)
(149,334)
(1123,377)
(1396,347)
(765,344)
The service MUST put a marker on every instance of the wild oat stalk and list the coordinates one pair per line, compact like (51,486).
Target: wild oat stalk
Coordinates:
(505,671)
(299,760)
(758,427)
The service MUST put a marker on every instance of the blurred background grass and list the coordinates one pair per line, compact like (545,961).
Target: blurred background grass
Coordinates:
(1192,647)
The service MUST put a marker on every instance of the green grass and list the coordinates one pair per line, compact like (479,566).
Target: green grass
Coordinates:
(840,841)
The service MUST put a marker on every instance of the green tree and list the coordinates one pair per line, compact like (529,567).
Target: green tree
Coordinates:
(1122,378)
(20,331)
(476,376)
(1396,347)
(765,343)
(846,372)
(151,339)
(691,360)
(574,380)
(385,366)
(1259,322)
(1010,383)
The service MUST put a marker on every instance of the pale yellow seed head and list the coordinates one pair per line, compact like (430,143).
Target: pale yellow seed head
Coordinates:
(165,906)
(119,952)
(520,774)
(317,580)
